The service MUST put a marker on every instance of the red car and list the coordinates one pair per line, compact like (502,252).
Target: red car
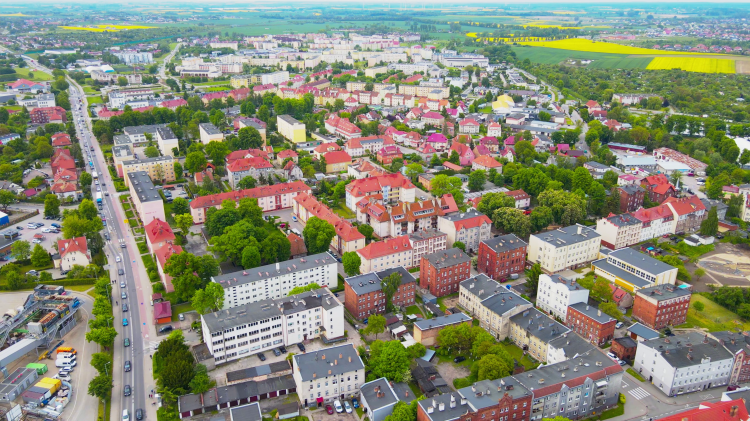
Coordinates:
(329,409)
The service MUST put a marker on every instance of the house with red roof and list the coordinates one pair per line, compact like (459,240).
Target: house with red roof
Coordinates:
(433,118)
(347,237)
(287,153)
(73,252)
(239,94)
(342,128)
(495,130)
(62,160)
(387,154)
(491,143)
(450,128)
(394,188)
(337,161)
(65,189)
(414,113)
(270,198)
(426,151)
(162,255)
(508,153)
(61,140)
(593,105)
(729,410)
(255,167)
(221,95)
(324,148)
(468,126)
(451,166)
(480,150)
(386,254)
(172,104)
(263,89)
(162,312)
(465,154)
(438,141)
(523,200)
(44,115)
(470,228)
(105,113)
(688,213)
(486,162)
(655,222)
(370,144)
(414,139)
(66,175)
(201,176)
(298,248)
(27,86)
(613,125)
(620,296)
(658,188)
(158,234)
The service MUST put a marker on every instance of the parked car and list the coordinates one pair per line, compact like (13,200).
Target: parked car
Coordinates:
(611,355)
(337,405)
(276,352)
(329,409)
(282,349)
(621,362)
(459,359)
(619,325)
(355,403)
(301,346)
(181,317)
(261,356)
(165,329)
(347,407)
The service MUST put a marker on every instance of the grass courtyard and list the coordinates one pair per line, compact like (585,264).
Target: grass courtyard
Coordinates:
(714,317)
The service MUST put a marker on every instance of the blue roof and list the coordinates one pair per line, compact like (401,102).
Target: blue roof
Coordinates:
(428,355)
(643,331)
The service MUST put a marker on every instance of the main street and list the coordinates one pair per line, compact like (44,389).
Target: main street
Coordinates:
(137,286)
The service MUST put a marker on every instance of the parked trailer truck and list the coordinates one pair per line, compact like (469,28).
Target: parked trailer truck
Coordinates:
(98,197)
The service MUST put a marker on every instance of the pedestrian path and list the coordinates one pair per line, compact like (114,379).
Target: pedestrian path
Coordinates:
(639,393)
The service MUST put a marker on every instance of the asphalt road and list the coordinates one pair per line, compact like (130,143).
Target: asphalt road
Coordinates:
(136,315)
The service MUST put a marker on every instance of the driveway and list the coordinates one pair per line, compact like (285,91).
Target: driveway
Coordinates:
(450,372)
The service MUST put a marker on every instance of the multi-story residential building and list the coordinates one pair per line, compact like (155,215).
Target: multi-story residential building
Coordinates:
(523,200)
(728,409)
(564,248)
(137,134)
(146,199)
(343,128)
(501,256)
(492,304)
(619,231)
(486,163)
(210,133)
(159,168)
(44,115)
(403,217)
(166,140)
(631,197)
(574,389)
(426,241)
(379,397)
(134,57)
(555,294)
(567,347)
(532,330)
(270,198)
(359,146)
(468,126)
(276,280)
(327,374)
(292,129)
(684,363)
(347,237)
(470,227)
(158,234)
(739,345)
(591,323)
(688,213)
(385,254)
(393,188)
(662,305)
(73,252)
(655,222)
(337,162)
(632,270)
(440,273)
(364,293)
(658,188)
(252,328)
(721,207)
(485,399)
(426,331)
(255,167)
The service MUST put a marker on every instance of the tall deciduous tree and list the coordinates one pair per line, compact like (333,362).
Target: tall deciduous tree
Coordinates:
(710,225)
(351,262)
(40,258)
(51,206)
(375,325)
(389,285)
(20,250)
(209,299)
(318,235)
(532,278)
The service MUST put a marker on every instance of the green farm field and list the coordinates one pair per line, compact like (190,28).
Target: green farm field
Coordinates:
(545,55)
(621,63)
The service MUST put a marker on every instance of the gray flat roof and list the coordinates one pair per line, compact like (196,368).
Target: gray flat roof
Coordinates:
(569,283)
(165,133)
(136,130)
(620,273)
(370,282)
(643,331)
(570,371)
(250,412)
(122,139)
(242,277)
(143,186)
(121,151)
(210,128)
(626,341)
(663,292)
(492,391)
(592,313)
(569,235)
(265,309)
(631,189)
(503,243)
(460,216)
(537,324)
(687,349)
(370,391)
(259,370)
(288,119)
(504,301)
(336,360)
(482,286)
(641,261)
(425,234)
(572,345)
(441,321)
(623,220)
(446,258)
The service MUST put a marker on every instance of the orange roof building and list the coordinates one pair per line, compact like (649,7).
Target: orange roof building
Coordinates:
(394,188)
(386,254)
(158,233)
(73,252)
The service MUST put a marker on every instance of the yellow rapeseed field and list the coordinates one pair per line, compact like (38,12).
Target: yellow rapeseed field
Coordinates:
(12,15)
(102,28)
(692,64)
(578,44)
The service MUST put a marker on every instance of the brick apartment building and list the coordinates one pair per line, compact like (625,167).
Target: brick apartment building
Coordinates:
(589,322)
(46,115)
(505,397)
(442,272)
(501,256)
(631,197)
(662,305)
(739,345)
(658,187)
(364,295)
(624,348)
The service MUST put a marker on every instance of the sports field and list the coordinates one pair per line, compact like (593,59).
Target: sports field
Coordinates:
(693,64)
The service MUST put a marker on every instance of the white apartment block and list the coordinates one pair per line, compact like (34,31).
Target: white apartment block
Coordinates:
(327,374)
(470,228)
(386,254)
(276,280)
(619,231)
(491,303)
(685,363)
(252,328)
(134,57)
(555,293)
(564,248)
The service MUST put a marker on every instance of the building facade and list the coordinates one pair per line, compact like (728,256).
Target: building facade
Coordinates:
(632,270)
(555,294)
(327,374)
(441,272)
(619,231)
(470,228)
(589,322)
(365,297)
(662,305)
(564,248)
(502,256)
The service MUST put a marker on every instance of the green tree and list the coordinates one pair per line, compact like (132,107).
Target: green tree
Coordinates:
(375,325)
(710,225)
(7,198)
(601,289)
(491,367)
(699,273)
(532,278)
(151,151)
(40,258)
(389,360)
(190,273)
(51,206)
(413,170)
(610,308)
(209,299)
(180,206)
(698,306)
(20,250)
(195,162)
(104,336)
(476,180)
(87,210)
(102,362)
(201,382)
(416,351)
(299,290)
(389,285)
(351,262)
(367,231)
(512,220)
(101,387)
(318,235)
(122,81)
(184,222)
(249,138)
(540,218)
(247,182)
(251,257)
(460,245)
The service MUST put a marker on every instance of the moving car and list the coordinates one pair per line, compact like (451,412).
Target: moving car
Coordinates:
(126,342)
(124,322)
(120,271)
(139,414)
(122,284)
(337,405)
(127,391)
(124,307)
(127,365)
(124,295)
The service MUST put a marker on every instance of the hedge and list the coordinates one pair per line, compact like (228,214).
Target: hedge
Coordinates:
(58,282)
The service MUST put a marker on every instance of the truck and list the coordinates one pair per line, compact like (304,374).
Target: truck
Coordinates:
(95,175)
(98,197)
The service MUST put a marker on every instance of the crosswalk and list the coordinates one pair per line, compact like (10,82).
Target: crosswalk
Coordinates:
(639,393)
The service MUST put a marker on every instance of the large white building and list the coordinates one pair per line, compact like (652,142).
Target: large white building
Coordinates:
(134,57)
(276,280)
(491,303)
(685,363)
(555,293)
(633,270)
(327,374)
(470,227)
(252,328)
(564,248)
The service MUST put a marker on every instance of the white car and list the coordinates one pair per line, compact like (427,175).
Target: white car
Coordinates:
(118,259)
(612,355)
(36,241)
(31,226)
(337,406)
(46,230)
(347,407)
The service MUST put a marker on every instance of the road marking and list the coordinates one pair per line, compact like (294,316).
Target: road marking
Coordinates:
(639,393)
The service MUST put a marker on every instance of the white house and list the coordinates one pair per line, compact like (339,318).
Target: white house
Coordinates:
(555,293)
(73,252)
(564,248)
(327,374)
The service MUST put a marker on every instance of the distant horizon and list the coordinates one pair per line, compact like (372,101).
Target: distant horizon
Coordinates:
(358,4)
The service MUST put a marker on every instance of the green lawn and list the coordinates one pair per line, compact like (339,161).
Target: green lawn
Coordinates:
(636,375)
(414,310)
(88,90)
(180,308)
(614,412)
(38,75)
(79,288)
(344,212)
(24,269)
(94,100)
(714,317)
(517,353)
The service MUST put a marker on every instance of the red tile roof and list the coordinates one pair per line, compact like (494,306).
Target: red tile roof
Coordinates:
(162,310)
(720,411)
(164,253)
(468,122)
(61,139)
(63,187)
(158,231)
(327,147)
(72,245)
(385,247)
(518,194)
(487,161)
(258,192)
(344,229)
(174,103)
(298,244)
(367,186)
(245,164)
(653,214)
(287,153)
(337,157)
(685,205)
(452,166)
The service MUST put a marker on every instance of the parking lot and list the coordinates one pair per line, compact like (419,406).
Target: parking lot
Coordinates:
(28,234)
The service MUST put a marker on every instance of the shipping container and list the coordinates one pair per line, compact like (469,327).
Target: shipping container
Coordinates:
(39,367)
(69,349)
(32,397)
